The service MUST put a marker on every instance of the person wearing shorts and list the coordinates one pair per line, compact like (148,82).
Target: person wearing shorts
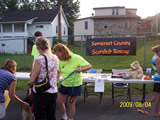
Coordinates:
(156,88)
(71,66)
(2,110)
(7,78)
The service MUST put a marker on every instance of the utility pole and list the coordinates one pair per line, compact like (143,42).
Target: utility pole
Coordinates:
(157,22)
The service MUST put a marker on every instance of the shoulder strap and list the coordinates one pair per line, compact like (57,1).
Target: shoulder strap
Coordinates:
(46,62)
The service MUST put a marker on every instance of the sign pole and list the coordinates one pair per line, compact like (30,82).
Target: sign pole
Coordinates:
(144,51)
(81,45)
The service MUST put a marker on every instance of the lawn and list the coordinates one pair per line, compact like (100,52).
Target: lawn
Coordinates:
(23,61)
(107,63)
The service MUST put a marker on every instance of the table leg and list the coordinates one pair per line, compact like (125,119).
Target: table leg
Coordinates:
(144,93)
(112,93)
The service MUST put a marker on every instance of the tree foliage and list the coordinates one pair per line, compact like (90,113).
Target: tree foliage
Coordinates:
(14,5)
(26,5)
(8,5)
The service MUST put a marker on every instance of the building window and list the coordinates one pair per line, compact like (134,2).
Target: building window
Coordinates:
(117,11)
(86,25)
(143,26)
(64,31)
(39,26)
(3,45)
(56,29)
(126,24)
(113,11)
(19,27)
(106,24)
(87,36)
(7,27)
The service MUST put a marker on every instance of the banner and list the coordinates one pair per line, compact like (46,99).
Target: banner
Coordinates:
(111,46)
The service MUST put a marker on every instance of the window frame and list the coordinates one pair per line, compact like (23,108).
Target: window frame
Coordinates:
(126,24)
(39,26)
(86,25)
(64,32)
(106,23)
(113,11)
(117,11)
(56,29)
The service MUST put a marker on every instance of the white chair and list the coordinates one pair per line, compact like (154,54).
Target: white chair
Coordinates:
(90,85)
(120,86)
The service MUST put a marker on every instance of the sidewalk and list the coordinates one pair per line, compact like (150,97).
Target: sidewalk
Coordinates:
(92,109)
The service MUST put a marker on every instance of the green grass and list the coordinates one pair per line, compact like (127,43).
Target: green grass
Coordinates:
(23,61)
(107,63)
(22,84)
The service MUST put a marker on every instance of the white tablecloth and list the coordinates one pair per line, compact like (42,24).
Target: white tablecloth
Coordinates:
(90,77)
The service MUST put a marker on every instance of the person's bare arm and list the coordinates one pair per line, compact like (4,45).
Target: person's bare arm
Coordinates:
(35,72)
(13,96)
(84,68)
(58,75)
(158,65)
(32,61)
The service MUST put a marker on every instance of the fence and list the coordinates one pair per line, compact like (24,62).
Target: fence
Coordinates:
(77,44)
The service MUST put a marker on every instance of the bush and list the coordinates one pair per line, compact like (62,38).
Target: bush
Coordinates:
(57,40)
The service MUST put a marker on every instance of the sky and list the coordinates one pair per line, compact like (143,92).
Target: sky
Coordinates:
(144,8)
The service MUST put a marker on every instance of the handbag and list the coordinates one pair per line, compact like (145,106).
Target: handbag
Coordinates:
(44,85)
(7,98)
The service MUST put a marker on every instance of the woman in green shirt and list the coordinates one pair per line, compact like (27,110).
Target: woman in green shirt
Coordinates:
(68,63)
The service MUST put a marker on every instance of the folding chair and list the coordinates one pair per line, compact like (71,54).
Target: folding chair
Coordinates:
(120,86)
(90,85)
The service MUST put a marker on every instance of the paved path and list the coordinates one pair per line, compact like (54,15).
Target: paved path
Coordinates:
(92,109)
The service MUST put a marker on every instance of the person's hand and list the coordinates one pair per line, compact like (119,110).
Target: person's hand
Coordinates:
(25,105)
(30,85)
(79,70)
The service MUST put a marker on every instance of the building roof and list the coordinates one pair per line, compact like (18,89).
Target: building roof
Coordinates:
(37,15)
(128,15)
(109,7)
(84,18)
(131,8)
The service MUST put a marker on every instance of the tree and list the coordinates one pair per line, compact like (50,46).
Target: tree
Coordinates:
(2,7)
(14,5)
(26,5)
(44,4)
(8,5)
